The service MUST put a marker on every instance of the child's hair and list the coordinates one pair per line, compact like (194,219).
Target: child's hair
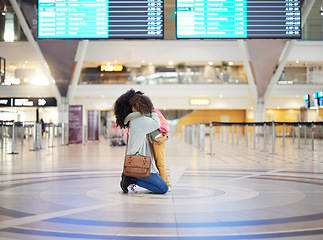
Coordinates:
(122,107)
(141,103)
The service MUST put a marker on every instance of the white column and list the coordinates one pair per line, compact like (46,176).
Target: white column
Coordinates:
(260,111)
(79,59)
(247,65)
(63,111)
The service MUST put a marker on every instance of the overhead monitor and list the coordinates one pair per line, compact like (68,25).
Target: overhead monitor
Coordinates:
(107,19)
(307,101)
(320,97)
(315,100)
(238,19)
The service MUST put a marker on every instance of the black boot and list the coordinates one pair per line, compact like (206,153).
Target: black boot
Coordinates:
(126,182)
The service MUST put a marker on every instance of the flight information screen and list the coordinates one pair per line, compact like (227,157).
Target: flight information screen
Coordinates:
(238,19)
(90,19)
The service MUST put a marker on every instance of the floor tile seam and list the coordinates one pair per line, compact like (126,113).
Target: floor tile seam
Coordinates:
(281,233)
(46,216)
(76,176)
(76,171)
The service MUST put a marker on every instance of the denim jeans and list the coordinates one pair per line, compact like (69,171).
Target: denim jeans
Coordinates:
(153,183)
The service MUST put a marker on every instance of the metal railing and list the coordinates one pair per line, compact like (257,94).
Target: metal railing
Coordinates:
(36,135)
(256,135)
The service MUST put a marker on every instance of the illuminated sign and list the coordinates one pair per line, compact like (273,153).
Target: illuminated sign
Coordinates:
(199,101)
(240,19)
(315,100)
(23,102)
(111,68)
(101,19)
(28,102)
(307,101)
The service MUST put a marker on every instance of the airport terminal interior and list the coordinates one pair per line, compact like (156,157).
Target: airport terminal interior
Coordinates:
(245,151)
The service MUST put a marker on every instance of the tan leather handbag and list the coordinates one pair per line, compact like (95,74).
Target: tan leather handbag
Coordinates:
(137,166)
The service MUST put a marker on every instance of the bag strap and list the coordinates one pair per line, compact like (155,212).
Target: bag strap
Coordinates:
(138,150)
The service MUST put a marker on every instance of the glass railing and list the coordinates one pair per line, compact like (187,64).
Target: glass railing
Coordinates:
(165,78)
(313,77)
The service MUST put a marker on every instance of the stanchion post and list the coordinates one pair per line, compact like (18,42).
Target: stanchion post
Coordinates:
(265,137)
(63,133)
(312,136)
(284,135)
(274,137)
(299,135)
(238,128)
(48,135)
(222,134)
(202,137)
(53,135)
(293,132)
(211,138)
(246,134)
(13,138)
(254,136)
(35,135)
(232,133)
(305,133)
(193,134)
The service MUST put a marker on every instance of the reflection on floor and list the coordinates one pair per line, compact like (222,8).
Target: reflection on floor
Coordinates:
(72,192)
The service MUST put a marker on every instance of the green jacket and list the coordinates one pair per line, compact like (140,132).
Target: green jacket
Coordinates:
(134,115)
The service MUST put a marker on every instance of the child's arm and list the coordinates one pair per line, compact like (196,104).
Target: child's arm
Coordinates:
(162,139)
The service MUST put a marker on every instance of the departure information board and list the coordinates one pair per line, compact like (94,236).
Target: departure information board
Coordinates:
(89,19)
(238,19)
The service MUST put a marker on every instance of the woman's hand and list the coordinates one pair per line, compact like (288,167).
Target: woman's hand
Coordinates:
(161,139)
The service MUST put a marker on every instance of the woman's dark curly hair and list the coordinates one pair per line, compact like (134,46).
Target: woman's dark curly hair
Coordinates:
(122,107)
(141,103)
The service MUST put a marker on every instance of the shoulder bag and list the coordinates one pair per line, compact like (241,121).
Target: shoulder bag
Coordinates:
(137,166)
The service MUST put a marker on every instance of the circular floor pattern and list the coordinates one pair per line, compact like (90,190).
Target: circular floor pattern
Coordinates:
(202,205)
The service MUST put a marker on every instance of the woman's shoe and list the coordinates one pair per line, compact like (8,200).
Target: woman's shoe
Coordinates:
(126,182)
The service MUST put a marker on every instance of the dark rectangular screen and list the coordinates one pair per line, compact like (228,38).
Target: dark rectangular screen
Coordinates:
(95,19)
(238,19)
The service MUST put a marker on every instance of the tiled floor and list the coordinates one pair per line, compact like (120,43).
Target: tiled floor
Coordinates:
(72,192)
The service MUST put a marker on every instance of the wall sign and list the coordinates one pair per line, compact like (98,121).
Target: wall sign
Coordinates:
(199,101)
(28,102)
(75,124)
(111,68)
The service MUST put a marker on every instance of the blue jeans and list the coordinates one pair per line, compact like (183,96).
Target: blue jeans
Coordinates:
(153,183)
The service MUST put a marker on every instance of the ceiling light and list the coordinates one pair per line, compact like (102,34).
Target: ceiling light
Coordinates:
(170,62)
(230,63)
(210,63)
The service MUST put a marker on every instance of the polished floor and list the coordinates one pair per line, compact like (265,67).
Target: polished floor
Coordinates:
(237,192)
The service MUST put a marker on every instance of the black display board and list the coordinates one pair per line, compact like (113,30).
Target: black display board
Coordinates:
(238,19)
(28,102)
(95,19)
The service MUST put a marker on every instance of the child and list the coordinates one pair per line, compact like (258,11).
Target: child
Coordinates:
(159,138)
